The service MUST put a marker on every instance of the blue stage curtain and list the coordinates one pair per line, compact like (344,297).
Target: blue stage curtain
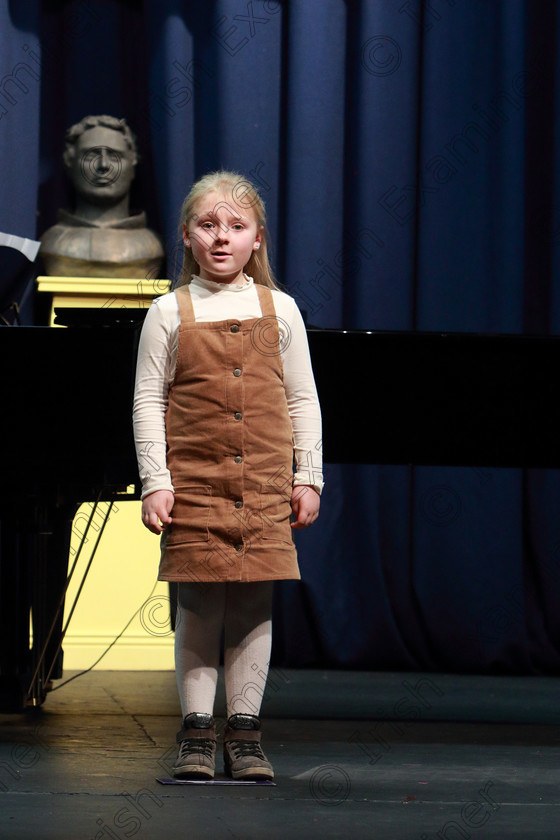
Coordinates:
(407,153)
(20,85)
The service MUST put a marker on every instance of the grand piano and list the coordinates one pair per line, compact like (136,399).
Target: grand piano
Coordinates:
(67,410)
(436,398)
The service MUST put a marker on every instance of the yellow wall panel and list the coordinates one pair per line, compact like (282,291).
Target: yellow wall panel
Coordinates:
(119,587)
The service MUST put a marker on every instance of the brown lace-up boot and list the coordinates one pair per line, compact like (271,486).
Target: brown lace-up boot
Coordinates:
(243,756)
(197,748)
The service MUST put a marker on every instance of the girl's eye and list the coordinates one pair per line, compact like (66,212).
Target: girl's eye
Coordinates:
(237,226)
(207,224)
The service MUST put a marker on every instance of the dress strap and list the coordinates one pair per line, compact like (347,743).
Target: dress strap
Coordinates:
(184,299)
(266,301)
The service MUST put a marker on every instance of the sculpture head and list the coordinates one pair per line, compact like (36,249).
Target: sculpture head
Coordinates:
(100,157)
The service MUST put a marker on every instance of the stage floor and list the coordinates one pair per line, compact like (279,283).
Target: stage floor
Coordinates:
(359,755)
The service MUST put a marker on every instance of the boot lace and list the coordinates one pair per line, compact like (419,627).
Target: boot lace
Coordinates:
(198,746)
(242,749)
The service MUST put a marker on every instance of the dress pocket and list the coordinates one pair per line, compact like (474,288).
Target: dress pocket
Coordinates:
(190,514)
(275,512)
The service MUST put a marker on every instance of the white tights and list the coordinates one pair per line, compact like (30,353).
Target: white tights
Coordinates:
(244,610)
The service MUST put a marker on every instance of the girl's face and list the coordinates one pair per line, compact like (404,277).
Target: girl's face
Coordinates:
(222,236)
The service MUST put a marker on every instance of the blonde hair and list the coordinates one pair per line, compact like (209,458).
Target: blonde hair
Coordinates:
(244,196)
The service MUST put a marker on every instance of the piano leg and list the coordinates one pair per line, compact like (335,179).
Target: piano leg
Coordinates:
(34,548)
(15,604)
(50,563)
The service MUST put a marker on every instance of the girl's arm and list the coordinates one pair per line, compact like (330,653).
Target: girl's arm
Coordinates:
(150,404)
(303,406)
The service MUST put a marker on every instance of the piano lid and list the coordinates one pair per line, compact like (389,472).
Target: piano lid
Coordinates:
(67,407)
(386,398)
(468,399)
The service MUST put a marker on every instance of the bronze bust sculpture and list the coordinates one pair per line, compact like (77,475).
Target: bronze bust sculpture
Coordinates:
(101,239)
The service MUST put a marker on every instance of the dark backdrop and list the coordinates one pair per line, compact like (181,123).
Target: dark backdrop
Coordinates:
(407,153)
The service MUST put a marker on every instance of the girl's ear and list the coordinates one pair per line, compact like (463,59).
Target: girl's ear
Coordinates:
(258,239)
(186,239)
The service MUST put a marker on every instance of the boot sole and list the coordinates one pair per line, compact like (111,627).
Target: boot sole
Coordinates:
(193,773)
(250,773)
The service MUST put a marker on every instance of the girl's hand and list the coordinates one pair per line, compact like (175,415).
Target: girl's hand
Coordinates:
(156,509)
(305,505)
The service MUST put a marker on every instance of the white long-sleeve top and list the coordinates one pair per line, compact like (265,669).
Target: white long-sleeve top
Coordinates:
(155,371)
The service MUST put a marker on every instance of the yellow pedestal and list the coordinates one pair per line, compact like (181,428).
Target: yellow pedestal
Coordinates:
(121,586)
(88,292)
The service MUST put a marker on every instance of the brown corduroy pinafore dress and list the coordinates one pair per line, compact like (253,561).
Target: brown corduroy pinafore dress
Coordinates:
(229,451)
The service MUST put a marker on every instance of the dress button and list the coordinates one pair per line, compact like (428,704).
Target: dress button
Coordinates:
(238,459)
(239,504)
(235,328)
(238,415)
(237,372)
(238,547)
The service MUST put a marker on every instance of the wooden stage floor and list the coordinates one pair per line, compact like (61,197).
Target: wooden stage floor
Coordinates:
(387,756)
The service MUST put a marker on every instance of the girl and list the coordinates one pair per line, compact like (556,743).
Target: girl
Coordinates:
(224,398)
